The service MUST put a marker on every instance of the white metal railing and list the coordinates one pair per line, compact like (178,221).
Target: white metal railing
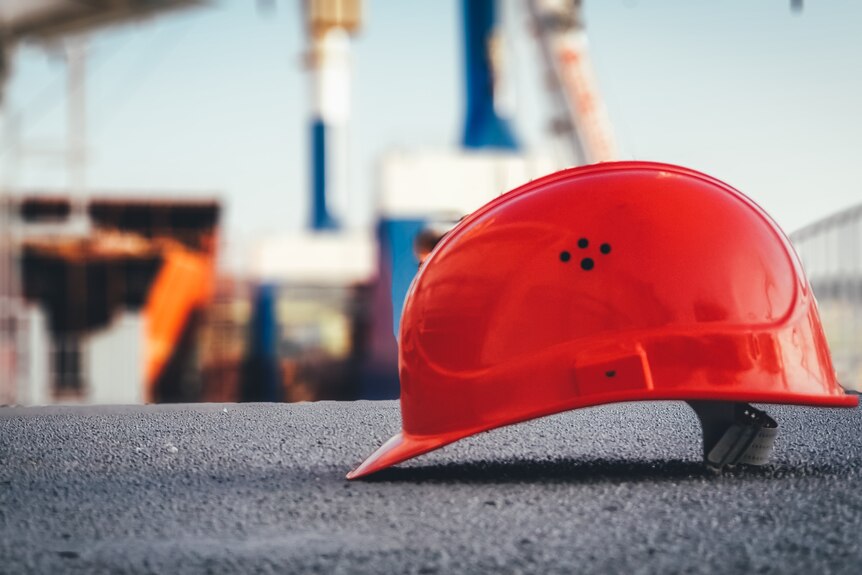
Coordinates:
(831,253)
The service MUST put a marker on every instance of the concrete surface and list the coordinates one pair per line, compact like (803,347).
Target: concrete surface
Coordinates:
(260,488)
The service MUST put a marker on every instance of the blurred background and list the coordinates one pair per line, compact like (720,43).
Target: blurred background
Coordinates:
(227,200)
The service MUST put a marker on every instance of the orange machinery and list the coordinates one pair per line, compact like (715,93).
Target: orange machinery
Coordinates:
(157,256)
(184,284)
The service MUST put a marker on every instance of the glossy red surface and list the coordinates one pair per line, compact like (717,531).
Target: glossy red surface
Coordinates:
(614,282)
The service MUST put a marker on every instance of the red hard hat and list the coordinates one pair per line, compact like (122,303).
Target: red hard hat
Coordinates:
(613,282)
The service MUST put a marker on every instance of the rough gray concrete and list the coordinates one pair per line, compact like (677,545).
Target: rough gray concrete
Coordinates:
(260,488)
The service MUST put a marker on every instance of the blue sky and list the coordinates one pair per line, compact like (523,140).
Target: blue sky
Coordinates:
(215,101)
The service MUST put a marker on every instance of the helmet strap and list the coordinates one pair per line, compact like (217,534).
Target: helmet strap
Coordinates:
(734,433)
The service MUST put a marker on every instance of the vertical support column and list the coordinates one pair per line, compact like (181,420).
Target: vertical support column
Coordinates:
(69,350)
(8,313)
(261,371)
(330,111)
(330,23)
(483,125)
(76,129)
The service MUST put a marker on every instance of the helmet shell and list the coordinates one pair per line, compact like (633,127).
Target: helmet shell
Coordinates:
(612,282)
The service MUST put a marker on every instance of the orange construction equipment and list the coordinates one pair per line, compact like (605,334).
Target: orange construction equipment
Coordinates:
(183,233)
(612,282)
(184,284)
(141,253)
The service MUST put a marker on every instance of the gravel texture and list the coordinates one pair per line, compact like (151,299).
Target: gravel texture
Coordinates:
(260,488)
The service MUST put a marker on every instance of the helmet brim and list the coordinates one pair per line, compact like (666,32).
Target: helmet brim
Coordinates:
(401,447)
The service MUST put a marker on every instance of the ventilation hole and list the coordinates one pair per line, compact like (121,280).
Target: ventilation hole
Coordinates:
(583,243)
(587,264)
(605,248)
(610,373)
(565,256)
